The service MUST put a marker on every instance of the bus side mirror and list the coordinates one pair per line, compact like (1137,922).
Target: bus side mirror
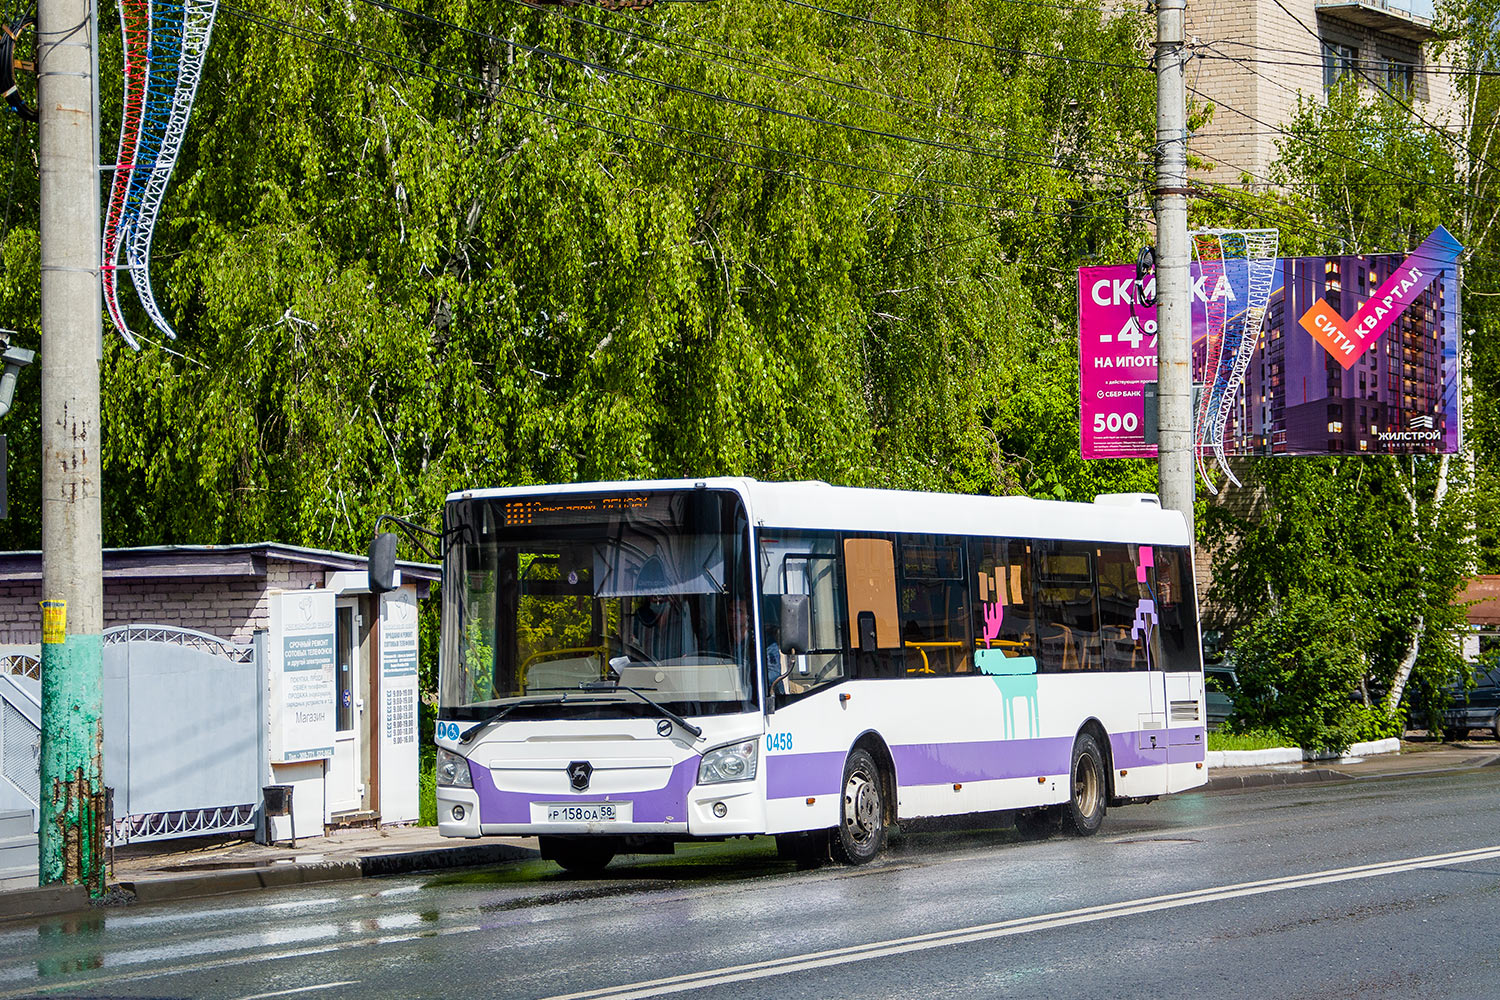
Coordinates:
(796,624)
(382,563)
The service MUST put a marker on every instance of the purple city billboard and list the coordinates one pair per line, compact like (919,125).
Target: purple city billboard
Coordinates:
(1354,354)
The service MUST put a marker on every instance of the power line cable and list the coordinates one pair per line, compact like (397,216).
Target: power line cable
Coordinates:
(779,64)
(590,65)
(1451,187)
(360,51)
(1007,50)
(1375,65)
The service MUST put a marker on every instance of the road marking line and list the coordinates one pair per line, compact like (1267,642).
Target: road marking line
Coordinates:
(299,989)
(836,956)
(1010,928)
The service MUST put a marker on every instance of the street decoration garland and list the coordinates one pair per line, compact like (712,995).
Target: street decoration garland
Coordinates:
(1210,252)
(165,46)
(1231,341)
(135,32)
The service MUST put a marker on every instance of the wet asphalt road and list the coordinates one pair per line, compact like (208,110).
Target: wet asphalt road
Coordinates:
(1376,889)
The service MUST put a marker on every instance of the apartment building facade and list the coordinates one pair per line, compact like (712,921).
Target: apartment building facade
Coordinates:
(1255,60)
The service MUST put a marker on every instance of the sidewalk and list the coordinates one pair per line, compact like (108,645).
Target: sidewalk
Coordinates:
(156,872)
(171,870)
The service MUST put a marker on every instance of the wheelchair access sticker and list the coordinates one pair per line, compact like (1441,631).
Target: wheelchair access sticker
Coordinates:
(450,730)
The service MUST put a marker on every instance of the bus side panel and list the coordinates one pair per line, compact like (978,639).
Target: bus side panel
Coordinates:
(805,747)
(1002,748)
(1188,740)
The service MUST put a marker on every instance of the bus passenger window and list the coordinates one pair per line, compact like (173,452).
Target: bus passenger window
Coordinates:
(1120,594)
(1176,603)
(802,563)
(1004,613)
(934,606)
(870,578)
(1067,618)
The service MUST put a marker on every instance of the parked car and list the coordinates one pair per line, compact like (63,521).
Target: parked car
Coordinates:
(1220,685)
(1475,708)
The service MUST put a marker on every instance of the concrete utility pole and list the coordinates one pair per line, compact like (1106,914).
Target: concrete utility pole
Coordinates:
(1174,304)
(73,804)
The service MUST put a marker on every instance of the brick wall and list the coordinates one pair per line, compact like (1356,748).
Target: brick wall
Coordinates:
(233,608)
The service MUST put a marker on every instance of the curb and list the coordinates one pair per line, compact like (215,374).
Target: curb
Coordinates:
(47,901)
(1294,755)
(20,904)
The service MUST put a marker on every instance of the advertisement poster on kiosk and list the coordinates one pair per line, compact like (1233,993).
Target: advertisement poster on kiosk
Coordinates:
(301,653)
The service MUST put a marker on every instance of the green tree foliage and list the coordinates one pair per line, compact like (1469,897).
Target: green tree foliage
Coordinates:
(1296,667)
(1388,541)
(1345,533)
(1472,32)
(742,237)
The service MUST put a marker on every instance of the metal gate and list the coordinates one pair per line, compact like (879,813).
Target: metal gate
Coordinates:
(184,730)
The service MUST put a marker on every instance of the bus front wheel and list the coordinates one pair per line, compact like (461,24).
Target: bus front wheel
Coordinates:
(1084,811)
(861,832)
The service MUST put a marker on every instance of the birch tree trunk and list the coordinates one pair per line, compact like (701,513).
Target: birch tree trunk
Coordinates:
(1423,524)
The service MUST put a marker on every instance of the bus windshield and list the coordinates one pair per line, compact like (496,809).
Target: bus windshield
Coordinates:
(597,606)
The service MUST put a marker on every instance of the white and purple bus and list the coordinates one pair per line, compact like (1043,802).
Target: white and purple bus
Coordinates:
(627,666)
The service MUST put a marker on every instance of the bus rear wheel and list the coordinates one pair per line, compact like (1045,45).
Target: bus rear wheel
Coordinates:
(578,855)
(1089,790)
(861,832)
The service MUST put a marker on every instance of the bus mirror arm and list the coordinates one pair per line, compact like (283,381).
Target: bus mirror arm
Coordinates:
(381,558)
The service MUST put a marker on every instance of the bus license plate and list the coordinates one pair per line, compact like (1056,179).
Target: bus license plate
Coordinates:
(598,812)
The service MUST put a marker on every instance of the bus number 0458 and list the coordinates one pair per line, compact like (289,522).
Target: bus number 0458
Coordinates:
(778,741)
(1116,422)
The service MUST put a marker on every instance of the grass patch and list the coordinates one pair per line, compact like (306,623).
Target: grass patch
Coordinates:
(427,787)
(1252,739)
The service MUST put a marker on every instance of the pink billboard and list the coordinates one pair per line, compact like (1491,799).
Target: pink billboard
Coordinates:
(1329,355)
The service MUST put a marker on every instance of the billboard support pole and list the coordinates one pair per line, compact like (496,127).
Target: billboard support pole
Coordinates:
(1173,285)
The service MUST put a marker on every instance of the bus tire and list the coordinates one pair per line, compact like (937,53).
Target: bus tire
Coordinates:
(577,855)
(1088,788)
(860,836)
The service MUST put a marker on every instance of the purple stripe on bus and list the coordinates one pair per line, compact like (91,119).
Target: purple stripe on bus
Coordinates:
(795,775)
(1178,745)
(1125,749)
(1188,745)
(945,763)
(661,805)
(804,775)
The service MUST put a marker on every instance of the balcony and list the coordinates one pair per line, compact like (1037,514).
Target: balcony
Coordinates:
(1381,16)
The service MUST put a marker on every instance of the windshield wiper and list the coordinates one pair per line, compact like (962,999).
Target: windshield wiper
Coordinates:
(502,713)
(666,713)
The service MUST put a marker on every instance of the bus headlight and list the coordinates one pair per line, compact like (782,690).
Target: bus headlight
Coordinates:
(735,762)
(453,770)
